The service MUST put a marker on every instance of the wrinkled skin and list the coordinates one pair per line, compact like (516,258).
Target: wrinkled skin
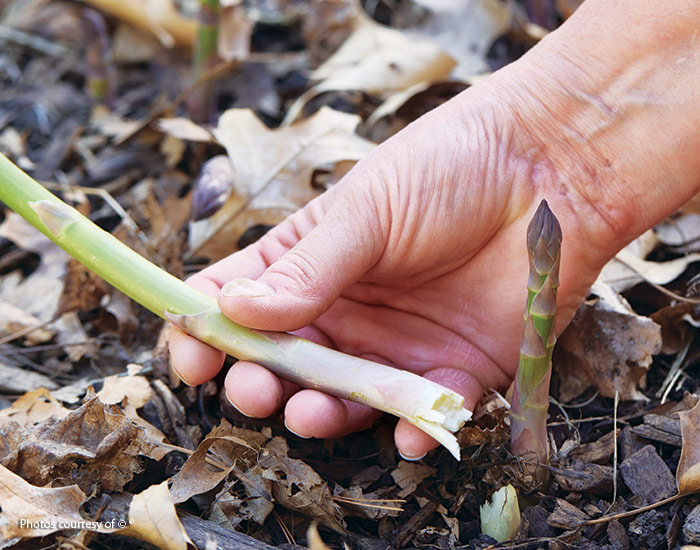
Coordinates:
(417,257)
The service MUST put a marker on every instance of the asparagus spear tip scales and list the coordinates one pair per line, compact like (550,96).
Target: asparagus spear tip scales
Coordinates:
(531,390)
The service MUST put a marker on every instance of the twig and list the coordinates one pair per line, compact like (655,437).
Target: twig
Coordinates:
(676,370)
(636,511)
(658,287)
(33,41)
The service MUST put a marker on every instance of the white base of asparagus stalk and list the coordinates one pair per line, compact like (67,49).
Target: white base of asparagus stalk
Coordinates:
(431,407)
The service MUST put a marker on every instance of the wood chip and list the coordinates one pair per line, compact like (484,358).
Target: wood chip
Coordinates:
(566,516)
(647,476)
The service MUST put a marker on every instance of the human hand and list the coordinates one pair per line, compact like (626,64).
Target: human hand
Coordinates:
(417,257)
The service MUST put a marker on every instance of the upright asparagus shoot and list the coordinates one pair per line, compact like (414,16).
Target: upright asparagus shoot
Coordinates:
(436,410)
(204,58)
(531,391)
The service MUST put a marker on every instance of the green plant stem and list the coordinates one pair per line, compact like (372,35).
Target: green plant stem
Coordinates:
(531,389)
(436,410)
(204,58)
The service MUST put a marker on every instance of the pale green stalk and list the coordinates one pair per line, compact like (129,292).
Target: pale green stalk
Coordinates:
(204,57)
(531,389)
(434,409)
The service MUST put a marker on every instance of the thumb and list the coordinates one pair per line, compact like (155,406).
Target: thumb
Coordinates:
(305,281)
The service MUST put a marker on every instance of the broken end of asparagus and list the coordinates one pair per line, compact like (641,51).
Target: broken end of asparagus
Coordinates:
(445,416)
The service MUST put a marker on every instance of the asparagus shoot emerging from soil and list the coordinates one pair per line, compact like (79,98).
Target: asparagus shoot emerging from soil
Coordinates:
(531,391)
(431,407)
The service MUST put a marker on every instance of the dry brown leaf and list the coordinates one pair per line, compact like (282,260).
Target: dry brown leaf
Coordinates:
(38,294)
(14,319)
(466,30)
(27,511)
(273,171)
(184,128)
(31,408)
(297,487)
(235,32)
(408,475)
(230,446)
(315,540)
(377,60)
(18,380)
(607,345)
(82,289)
(134,387)
(682,230)
(72,335)
(159,17)
(96,446)
(152,518)
(133,392)
(629,267)
(688,472)
(129,46)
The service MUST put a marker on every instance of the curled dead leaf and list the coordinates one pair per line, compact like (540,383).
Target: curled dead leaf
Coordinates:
(95,446)
(152,518)
(272,170)
(607,345)
(28,511)
(377,60)
(215,458)
(33,407)
(688,472)
(408,475)
(297,487)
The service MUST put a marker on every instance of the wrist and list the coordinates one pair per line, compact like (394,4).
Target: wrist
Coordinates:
(612,101)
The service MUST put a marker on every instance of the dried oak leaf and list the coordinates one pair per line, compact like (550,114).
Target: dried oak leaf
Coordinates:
(377,60)
(14,319)
(466,31)
(272,171)
(215,458)
(40,292)
(607,345)
(152,518)
(32,407)
(18,380)
(41,508)
(629,267)
(297,487)
(135,388)
(688,472)
(408,475)
(95,446)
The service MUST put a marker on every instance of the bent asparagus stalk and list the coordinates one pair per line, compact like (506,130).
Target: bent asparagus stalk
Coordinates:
(431,407)
(531,391)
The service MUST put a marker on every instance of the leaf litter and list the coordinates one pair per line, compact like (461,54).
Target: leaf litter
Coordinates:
(311,89)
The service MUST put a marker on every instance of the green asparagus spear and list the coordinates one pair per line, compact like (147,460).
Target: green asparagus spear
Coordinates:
(531,391)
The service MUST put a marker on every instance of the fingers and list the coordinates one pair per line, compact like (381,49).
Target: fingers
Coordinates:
(304,281)
(255,391)
(414,444)
(311,413)
(258,393)
(193,361)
